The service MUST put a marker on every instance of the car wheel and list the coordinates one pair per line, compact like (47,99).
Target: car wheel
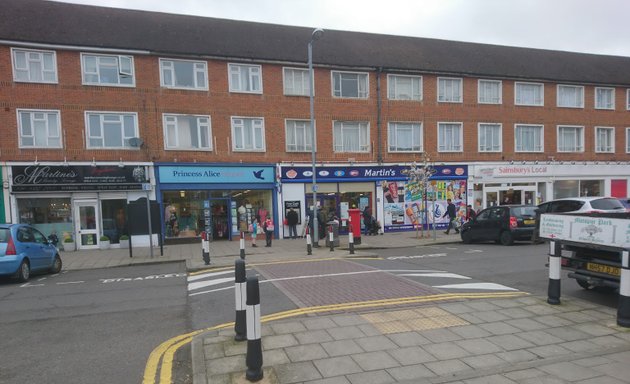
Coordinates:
(24,272)
(585,284)
(507,238)
(56,267)
(466,237)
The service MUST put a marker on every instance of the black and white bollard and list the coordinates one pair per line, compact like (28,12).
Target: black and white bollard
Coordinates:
(205,248)
(240,289)
(623,309)
(242,243)
(331,238)
(555,257)
(254,358)
(309,243)
(351,240)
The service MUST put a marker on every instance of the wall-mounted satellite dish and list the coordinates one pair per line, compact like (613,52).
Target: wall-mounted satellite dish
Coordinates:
(136,142)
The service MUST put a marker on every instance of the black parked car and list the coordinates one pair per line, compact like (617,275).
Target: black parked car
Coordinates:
(503,224)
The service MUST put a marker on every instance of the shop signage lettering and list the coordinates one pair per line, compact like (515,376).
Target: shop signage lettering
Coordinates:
(528,170)
(364,173)
(48,178)
(201,174)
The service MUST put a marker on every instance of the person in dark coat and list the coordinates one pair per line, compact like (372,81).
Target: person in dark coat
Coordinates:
(451,212)
(367,219)
(292,220)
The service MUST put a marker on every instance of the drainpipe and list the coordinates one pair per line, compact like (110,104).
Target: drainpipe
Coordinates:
(379,156)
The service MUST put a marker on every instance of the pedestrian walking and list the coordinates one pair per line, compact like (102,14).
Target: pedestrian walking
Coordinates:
(470,213)
(367,219)
(292,220)
(268,227)
(452,215)
(253,230)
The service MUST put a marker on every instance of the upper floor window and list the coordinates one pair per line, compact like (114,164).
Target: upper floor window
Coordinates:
(529,94)
(34,66)
(187,132)
(604,98)
(111,129)
(627,140)
(39,128)
(528,138)
(245,78)
(350,85)
(401,87)
(405,137)
(605,139)
(351,136)
(450,137)
(296,82)
(107,69)
(628,99)
(570,139)
(570,96)
(184,74)
(299,135)
(449,90)
(489,137)
(489,92)
(248,134)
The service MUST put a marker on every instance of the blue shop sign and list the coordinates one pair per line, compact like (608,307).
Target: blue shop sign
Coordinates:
(365,173)
(212,174)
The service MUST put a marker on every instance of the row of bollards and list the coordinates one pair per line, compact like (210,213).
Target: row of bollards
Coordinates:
(553,290)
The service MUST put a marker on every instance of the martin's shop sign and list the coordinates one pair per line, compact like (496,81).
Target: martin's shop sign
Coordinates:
(52,178)
(303,174)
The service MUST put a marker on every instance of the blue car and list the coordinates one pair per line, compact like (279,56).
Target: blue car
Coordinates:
(24,249)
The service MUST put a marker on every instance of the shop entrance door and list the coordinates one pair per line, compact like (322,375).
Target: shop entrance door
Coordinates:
(510,195)
(86,217)
(221,219)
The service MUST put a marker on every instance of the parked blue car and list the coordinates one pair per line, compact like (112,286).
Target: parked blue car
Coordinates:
(24,249)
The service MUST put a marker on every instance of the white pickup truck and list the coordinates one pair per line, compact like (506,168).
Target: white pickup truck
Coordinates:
(594,242)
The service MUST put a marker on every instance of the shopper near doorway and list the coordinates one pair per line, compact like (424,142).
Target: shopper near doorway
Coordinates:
(268,227)
(292,220)
(253,230)
(452,215)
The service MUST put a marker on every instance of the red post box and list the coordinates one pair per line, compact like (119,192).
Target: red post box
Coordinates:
(355,222)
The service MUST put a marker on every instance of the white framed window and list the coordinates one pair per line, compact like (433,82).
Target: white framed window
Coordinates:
(450,137)
(489,91)
(628,140)
(604,98)
(450,90)
(570,138)
(351,136)
(605,139)
(245,78)
(529,94)
(490,137)
(107,70)
(110,129)
(570,96)
(34,66)
(403,87)
(296,82)
(528,138)
(299,135)
(404,137)
(248,134)
(39,128)
(628,99)
(184,74)
(352,85)
(187,132)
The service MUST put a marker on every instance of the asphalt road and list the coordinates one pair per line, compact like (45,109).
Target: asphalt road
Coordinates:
(93,326)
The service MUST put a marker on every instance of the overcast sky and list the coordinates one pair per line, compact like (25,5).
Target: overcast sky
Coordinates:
(591,26)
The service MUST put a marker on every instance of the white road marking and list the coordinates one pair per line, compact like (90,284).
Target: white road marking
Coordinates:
(202,284)
(29,285)
(71,282)
(417,256)
(213,290)
(446,274)
(473,251)
(485,286)
(210,274)
(150,277)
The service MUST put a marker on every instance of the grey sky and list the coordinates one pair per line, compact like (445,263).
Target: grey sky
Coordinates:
(591,26)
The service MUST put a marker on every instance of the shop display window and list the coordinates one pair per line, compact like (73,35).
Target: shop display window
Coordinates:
(48,215)
(114,219)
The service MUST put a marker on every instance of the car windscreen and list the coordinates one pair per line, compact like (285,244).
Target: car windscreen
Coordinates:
(607,204)
(4,235)
(524,211)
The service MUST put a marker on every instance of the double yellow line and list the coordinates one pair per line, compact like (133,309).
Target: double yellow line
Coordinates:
(166,351)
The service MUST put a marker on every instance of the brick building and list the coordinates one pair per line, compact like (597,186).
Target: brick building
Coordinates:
(103,106)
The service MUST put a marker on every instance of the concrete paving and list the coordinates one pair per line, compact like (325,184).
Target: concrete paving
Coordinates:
(508,337)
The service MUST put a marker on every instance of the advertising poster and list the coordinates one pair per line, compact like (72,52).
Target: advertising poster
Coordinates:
(408,205)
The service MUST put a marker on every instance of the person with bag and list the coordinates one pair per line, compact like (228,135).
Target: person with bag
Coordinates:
(452,215)
(253,230)
(292,220)
(268,228)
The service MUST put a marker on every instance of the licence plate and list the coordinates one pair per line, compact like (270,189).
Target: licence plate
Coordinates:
(529,222)
(614,271)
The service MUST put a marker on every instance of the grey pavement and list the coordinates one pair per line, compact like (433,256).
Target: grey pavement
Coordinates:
(500,338)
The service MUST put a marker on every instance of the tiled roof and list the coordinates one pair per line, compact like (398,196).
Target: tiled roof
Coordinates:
(165,34)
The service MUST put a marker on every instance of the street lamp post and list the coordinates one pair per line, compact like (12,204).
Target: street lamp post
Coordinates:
(317,33)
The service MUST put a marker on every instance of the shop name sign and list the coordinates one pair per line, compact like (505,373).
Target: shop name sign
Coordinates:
(513,170)
(47,178)
(354,173)
(209,174)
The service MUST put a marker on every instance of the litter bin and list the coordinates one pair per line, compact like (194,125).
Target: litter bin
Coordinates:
(335,230)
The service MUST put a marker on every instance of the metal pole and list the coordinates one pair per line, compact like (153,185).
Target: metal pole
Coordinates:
(150,229)
(312,108)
